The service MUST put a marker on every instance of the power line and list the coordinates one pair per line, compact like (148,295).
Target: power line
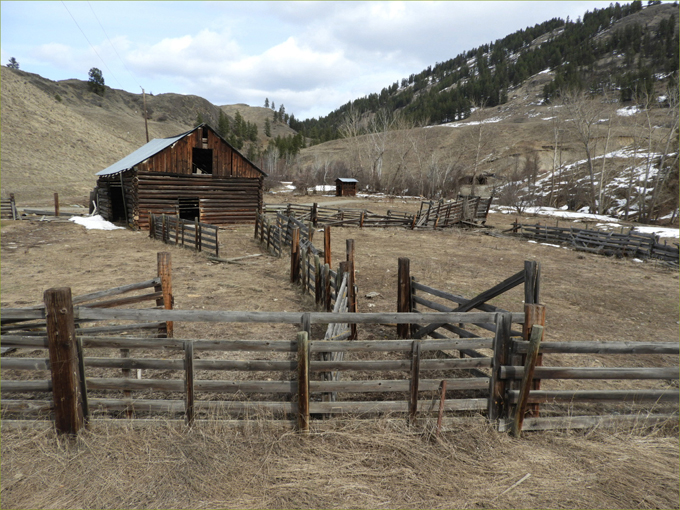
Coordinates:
(111,43)
(91,46)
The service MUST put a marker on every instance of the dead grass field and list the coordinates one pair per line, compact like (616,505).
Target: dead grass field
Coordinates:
(350,464)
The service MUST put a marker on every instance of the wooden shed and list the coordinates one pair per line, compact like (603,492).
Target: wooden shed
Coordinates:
(197,174)
(345,187)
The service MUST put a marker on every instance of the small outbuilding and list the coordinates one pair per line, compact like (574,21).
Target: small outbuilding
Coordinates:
(196,174)
(345,187)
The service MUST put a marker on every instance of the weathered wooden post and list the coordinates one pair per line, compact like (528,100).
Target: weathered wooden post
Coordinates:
(415,378)
(527,378)
(501,356)
(404,295)
(257,220)
(315,214)
(327,287)
(318,287)
(56,204)
(64,365)
(532,282)
(165,274)
(152,226)
(351,286)
(164,231)
(303,381)
(189,381)
(295,256)
(534,314)
(327,246)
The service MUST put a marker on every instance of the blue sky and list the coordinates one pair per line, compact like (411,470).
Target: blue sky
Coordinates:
(311,56)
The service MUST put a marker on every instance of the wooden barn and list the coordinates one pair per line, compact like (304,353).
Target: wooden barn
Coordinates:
(345,187)
(196,174)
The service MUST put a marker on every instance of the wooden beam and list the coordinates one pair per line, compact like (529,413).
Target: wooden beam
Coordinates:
(529,365)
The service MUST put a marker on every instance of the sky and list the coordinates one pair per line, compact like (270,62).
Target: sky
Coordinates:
(312,57)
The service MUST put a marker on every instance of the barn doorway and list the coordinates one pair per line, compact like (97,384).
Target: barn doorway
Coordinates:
(117,203)
(202,161)
(189,209)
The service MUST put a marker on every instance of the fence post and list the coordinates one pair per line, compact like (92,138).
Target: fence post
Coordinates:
(196,234)
(497,408)
(152,226)
(413,386)
(303,270)
(64,364)
(295,256)
(351,286)
(303,381)
(534,314)
(315,213)
(164,230)
(327,287)
(527,378)
(318,287)
(404,295)
(56,203)
(165,274)
(189,381)
(532,282)
(327,245)
(217,241)
(257,220)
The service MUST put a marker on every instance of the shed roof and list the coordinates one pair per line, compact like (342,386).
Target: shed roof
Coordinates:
(346,179)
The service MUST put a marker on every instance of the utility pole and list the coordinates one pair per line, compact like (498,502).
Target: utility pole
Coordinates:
(146,125)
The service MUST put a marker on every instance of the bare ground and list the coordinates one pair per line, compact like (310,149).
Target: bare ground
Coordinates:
(379,463)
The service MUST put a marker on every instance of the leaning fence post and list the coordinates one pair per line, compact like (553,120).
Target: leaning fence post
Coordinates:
(527,378)
(501,354)
(413,386)
(64,365)
(327,245)
(295,256)
(189,381)
(404,295)
(534,314)
(303,381)
(165,274)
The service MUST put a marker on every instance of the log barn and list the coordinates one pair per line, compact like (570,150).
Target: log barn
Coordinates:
(345,187)
(196,174)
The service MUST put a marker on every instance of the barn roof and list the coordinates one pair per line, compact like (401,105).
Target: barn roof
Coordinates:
(143,153)
(346,179)
(151,149)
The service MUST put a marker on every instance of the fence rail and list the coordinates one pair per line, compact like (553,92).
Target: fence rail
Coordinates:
(190,234)
(630,244)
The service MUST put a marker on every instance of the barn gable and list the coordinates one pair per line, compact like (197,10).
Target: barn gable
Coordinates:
(194,174)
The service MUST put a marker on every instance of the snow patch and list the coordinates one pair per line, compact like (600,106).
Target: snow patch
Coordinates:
(94,223)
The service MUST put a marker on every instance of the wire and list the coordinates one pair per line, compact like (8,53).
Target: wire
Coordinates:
(88,42)
(111,43)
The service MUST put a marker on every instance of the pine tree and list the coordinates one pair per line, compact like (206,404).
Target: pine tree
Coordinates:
(223,125)
(199,120)
(13,64)
(96,81)
(267,128)
(266,102)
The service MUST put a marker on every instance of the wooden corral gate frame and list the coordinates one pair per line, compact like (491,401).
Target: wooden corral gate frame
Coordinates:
(190,234)
(8,208)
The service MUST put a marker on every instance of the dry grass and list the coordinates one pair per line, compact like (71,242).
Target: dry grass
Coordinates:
(355,464)
(369,465)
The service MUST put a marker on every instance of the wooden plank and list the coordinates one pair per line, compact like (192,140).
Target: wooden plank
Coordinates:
(497,390)
(303,383)
(384,365)
(288,317)
(69,417)
(527,379)
(399,345)
(189,381)
(471,404)
(404,295)
(581,422)
(543,396)
(42,385)
(602,347)
(165,274)
(413,383)
(592,373)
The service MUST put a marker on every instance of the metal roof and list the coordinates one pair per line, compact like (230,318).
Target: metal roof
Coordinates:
(346,179)
(143,153)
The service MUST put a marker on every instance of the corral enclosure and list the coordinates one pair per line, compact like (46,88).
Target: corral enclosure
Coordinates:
(611,299)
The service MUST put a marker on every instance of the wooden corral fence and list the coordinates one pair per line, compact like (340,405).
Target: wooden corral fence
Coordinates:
(171,229)
(470,211)
(389,376)
(630,244)
(8,208)
(159,290)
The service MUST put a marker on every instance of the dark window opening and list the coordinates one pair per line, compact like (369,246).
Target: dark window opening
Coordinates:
(205,132)
(117,204)
(189,209)
(201,161)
